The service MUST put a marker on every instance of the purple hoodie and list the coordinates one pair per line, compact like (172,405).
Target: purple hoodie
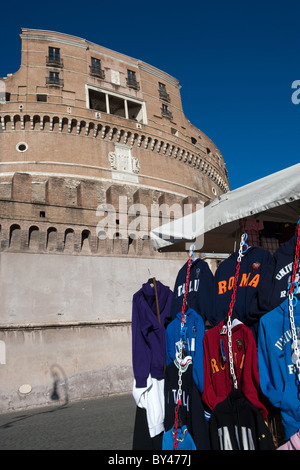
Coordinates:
(148,335)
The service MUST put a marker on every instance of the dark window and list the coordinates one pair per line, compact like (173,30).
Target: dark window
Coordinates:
(41,98)
(134,111)
(131,80)
(54,79)
(95,68)
(96,64)
(116,106)
(163,92)
(54,53)
(97,101)
(166,112)
(53,58)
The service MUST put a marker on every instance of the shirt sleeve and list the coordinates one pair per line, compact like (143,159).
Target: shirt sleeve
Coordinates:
(141,354)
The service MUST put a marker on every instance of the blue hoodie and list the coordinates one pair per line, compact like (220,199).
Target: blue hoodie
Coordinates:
(193,343)
(277,372)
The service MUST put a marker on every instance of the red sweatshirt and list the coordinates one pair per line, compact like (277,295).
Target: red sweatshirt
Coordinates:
(217,378)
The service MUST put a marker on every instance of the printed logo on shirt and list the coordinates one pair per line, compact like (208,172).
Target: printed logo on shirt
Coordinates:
(287,271)
(225,439)
(185,398)
(189,346)
(281,344)
(218,364)
(255,266)
(193,287)
(286,338)
(284,271)
(224,286)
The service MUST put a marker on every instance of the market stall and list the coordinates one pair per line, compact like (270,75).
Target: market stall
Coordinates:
(226,343)
(275,199)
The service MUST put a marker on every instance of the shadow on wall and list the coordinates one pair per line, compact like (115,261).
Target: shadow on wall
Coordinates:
(60,385)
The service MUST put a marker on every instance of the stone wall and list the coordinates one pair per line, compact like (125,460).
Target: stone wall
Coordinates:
(54,214)
(67,319)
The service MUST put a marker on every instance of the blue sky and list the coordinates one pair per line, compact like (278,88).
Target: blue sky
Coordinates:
(235,60)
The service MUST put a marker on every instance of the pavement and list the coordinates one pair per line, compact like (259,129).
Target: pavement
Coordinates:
(105,423)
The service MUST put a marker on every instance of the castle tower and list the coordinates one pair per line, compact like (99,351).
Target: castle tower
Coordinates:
(95,151)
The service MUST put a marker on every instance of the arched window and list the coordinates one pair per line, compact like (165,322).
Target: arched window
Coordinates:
(33,237)
(69,240)
(85,240)
(14,235)
(51,238)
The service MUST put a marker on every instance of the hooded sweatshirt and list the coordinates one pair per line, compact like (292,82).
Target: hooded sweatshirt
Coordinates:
(148,335)
(217,378)
(274,288)
(191,412)
(235,424)
(255,264)
(277,370)
(200,291)
(192,335)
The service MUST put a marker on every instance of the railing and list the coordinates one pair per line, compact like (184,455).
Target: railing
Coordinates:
(131,83)
(166,113)
(164,95)
(54,61)
(97,72)
(53,81)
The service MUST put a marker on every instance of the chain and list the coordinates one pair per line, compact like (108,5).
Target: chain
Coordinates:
(293,302)
(229,321)
(296,350)
(183,320)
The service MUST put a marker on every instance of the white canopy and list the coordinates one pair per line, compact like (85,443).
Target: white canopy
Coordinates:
(216,227)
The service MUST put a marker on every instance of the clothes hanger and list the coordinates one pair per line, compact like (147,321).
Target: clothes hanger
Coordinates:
(152,282)
(191,253)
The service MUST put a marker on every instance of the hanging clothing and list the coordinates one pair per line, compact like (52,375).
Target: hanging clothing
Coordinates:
(274,288)
(236,424)
(200,291)
(152,399)
(292,444)
(254,266)
(141,439)
(191,412)
(148,333)
(192,335)
(217,379)
(277,371)
(184,440)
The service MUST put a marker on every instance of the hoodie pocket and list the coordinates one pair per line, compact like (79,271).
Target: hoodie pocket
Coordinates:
(291,399)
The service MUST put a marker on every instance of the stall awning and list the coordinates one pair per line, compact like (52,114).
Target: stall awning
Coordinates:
(275,198)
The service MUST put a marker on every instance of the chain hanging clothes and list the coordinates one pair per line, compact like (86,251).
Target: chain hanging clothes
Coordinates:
(229,321)
(293,287)
(183,321)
